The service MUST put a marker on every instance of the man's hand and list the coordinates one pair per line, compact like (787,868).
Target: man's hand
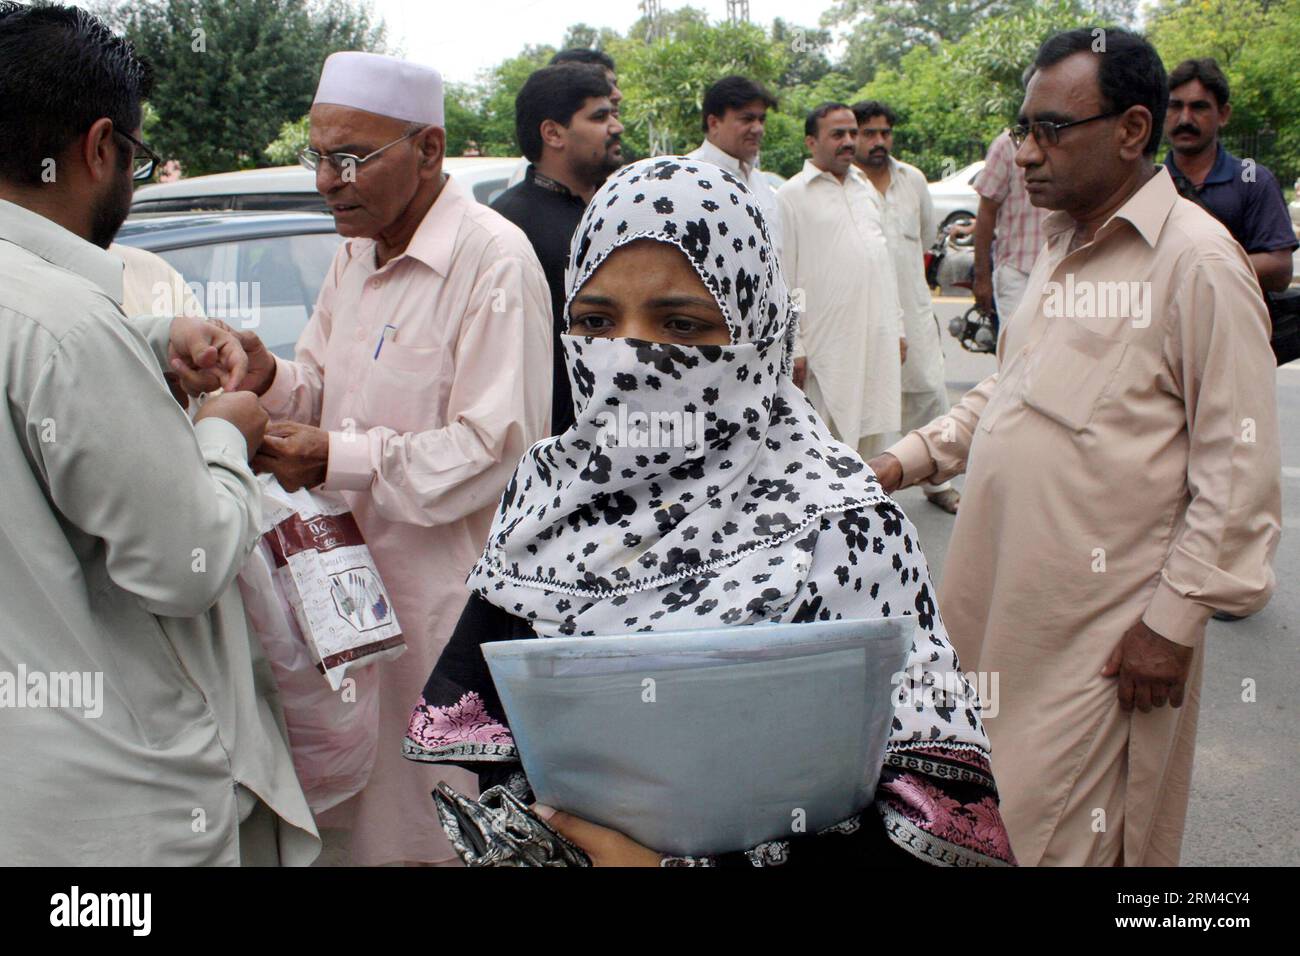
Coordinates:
(800,371)
(261,363)
(888,469)
(242,410)
(1152,670)
(205,356)
(983,290)
(298,455)
(902,351)
(605,847)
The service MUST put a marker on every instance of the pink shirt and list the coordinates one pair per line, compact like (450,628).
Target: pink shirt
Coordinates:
(1019,230)
(425,431)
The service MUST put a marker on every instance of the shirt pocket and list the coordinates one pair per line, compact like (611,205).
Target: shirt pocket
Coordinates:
(405,389)
(1074,373)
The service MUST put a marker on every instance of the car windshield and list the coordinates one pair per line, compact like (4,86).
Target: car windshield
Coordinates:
(268,285)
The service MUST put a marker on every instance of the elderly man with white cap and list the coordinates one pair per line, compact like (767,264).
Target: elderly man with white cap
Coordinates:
(422,377)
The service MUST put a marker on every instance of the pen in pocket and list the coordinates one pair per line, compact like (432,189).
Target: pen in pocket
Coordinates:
(384,334)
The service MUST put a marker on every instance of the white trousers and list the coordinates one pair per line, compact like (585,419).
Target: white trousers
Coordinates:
(1008,289)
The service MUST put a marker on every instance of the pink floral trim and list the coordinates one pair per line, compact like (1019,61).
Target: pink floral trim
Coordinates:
(466,721)
(977,826)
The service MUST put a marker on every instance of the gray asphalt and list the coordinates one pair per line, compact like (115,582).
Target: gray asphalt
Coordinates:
(1246,778)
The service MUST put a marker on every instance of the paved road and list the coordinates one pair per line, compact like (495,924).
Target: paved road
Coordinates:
(1246,781)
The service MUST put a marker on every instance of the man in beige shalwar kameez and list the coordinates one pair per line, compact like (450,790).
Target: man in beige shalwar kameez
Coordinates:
(1122,473)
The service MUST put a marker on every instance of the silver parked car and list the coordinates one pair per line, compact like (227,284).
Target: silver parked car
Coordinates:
(955,196)
(293,188)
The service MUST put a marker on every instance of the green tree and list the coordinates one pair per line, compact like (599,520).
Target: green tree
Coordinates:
(808,60)
(663,82)
(1254,44)
(497,98)
(953,100)
(230,75)
(880,33)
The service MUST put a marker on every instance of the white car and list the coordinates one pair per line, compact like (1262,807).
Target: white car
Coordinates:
(955,196)
(293,188)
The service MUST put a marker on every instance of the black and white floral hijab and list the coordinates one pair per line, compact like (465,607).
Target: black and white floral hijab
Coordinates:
(629,521)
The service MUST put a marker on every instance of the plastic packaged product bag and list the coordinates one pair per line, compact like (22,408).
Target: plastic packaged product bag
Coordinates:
(332,720)
(324,568)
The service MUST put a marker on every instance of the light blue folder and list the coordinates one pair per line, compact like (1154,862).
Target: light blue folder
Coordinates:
(701,742)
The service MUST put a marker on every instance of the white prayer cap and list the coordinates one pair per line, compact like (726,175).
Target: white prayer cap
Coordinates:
(382,84)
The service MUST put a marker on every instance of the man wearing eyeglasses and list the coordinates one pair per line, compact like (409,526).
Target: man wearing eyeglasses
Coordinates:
(421,378)
(138,720)
(1122,472)
(1008,232)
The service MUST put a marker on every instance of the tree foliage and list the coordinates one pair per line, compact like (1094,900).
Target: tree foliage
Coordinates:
(1254,43)
(230,75)
(950,68)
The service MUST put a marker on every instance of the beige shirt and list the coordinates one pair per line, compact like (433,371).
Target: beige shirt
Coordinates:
(1121,464)
(908,220)
(432,375)
(124,526)
(838,268)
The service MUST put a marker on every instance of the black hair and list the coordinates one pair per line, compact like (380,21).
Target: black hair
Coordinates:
(1129,70)
(61,70)
(581,54)
(1206,69)
(733,93)
(554,93)
(818,112)
(866,109)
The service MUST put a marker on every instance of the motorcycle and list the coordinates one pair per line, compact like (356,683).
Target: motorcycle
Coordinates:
(950,262)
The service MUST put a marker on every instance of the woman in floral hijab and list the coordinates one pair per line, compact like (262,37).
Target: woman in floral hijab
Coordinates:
(678,313)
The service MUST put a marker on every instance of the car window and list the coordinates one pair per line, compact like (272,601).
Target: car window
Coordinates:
(282,202)
(489,189)
(184,204)
(269,285)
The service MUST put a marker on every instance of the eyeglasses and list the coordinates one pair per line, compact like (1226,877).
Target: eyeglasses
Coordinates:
(340,161)
(1047,133)
(144,165)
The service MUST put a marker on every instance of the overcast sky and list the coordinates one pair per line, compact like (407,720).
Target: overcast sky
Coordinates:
(462,37)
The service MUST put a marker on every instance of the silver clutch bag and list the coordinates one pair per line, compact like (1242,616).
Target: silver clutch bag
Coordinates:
(497,829)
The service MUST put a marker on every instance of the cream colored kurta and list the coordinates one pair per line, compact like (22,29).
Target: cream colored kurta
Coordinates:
(1121,465)
(123,527)
(837,265)
(908,221)
(425,430)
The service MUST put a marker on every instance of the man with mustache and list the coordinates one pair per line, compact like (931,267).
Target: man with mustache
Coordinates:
(735,115)
(908,220)
(568,130)
(124,523)
(421,378)
(1122,472)
(1244,196)
(851,335)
